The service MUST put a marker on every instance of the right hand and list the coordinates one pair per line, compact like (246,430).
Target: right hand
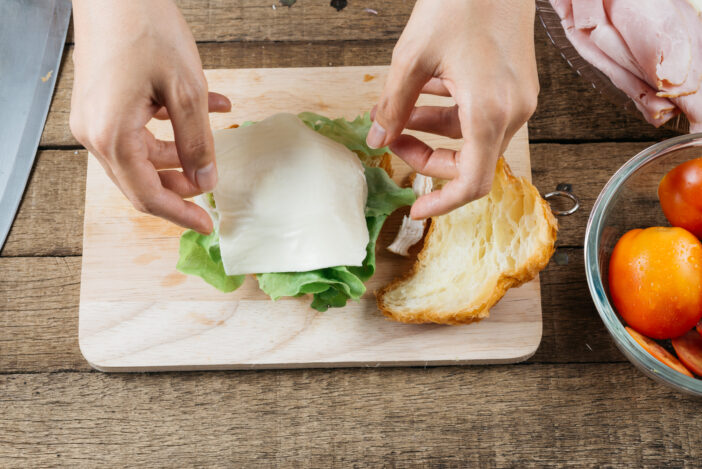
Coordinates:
(135,60)
(481,53)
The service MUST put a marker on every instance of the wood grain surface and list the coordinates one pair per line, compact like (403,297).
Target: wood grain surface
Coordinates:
(604,415)
(577,402)
(137,313)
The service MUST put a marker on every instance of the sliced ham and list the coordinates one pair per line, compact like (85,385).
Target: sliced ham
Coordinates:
(562,7)
(657,35)
(588,14)
(608,40)
(649,49)
(691,104)
(693,23)
(656,110)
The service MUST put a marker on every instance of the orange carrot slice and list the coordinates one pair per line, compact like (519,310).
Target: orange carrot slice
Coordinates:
(689,350)
(658,352)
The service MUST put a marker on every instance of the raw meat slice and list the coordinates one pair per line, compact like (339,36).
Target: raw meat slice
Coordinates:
(656,110)
(658,37)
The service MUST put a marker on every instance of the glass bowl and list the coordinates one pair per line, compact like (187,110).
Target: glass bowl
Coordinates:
(630,200)
(552,23)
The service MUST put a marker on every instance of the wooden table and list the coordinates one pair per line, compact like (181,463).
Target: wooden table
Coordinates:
(577,401)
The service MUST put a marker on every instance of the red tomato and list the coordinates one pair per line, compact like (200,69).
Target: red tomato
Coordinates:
(658,352)
(655,281)
(689,350)
(680,193)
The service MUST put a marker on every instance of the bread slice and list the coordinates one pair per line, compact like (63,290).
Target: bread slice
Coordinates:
(474,254)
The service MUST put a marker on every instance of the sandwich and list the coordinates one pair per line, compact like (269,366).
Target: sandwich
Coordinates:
(300,204)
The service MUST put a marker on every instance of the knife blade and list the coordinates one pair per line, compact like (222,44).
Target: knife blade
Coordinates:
(32,34)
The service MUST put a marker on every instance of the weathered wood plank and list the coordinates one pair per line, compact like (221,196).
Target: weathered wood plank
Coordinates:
(50,218)
(255,20)
(56,128)
(39,315)
(517,416)
(569,108)
(587,167)
(572,328)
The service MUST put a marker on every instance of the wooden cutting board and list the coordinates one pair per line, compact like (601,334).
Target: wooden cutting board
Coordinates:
(137,313)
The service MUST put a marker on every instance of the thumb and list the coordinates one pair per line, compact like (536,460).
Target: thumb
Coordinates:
(187,107)
(402,88)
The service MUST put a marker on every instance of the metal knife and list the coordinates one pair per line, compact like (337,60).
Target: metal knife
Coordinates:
(32,35)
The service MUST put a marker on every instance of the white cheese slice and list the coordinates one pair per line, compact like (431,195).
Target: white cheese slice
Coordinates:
(288,199)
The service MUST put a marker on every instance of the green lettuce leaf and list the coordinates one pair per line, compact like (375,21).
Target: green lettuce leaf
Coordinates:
(384,197)
(332,286)
(200,255)
(350,134)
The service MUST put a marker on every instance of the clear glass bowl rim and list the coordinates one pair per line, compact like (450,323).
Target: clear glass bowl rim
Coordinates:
(623,340)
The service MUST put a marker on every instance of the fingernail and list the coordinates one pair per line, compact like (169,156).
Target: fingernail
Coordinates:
(376,136)
(206,178)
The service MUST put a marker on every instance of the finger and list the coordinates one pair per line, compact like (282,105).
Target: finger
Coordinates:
(218,102)
(215,102)
(453,195)
(439,163)
(187,106)
(436,86)
(162,154)
(440,202)
(439,120)
(142,185)
(178,183)
(402,88)
(476,168)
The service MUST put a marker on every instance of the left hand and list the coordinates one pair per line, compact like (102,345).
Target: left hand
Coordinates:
(481,53)
(135,60)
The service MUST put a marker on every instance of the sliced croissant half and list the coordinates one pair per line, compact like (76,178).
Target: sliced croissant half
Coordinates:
(474,254)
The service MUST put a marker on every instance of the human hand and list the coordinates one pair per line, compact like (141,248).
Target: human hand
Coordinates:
(481,53)
(135,60)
